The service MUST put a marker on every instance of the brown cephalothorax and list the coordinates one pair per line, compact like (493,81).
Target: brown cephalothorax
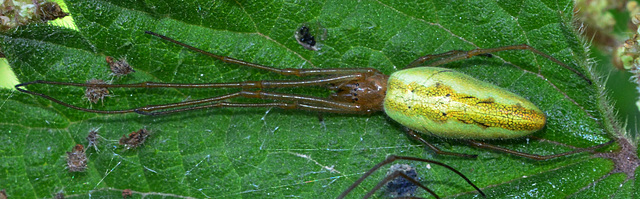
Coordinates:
(367,92)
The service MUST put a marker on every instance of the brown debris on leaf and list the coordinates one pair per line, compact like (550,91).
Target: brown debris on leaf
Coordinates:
(135,139)
(3,194)
(95,93)
(77,159)
(50,11)
(120,67)
(126,193)
(14,13)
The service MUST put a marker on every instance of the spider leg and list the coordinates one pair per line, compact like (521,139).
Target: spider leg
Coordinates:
(393,176)
(285,71)
(456,55)
(435,149)
(308,102)
(429,57)
(241,105)
(393,158)
(534,156)
(67,104)
(299,102)
(246,84)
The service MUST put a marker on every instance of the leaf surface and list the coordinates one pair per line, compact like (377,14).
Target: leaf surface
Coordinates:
(258,152)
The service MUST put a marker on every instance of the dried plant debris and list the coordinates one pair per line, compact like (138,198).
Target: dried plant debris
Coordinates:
(401,187)
(92,138)
(15,13)
(305,39)
(126,193)
(50,11)
(3,194)
(96,93)
(120,67)
(135,139)
(59,196)
(77,159)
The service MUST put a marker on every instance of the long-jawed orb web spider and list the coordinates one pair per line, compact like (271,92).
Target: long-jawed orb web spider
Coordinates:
(429,99)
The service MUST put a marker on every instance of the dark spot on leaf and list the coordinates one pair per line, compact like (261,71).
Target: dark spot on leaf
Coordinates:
(400,187)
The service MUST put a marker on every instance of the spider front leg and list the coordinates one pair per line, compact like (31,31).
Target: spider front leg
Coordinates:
(328,105)
(456,55)
(297,102)
(284,71)
(479,144)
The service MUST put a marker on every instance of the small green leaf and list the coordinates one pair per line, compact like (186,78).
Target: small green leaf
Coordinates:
(258,152)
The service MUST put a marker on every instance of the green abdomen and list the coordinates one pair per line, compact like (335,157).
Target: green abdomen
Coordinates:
(454,105)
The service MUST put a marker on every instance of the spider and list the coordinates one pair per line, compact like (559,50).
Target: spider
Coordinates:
(428,99)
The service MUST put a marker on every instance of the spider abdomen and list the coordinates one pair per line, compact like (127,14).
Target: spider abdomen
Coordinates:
(454,105)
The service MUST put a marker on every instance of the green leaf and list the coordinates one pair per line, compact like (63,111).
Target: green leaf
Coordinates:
(258,152)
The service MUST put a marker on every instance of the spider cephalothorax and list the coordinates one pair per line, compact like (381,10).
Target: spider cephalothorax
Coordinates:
(368,92)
